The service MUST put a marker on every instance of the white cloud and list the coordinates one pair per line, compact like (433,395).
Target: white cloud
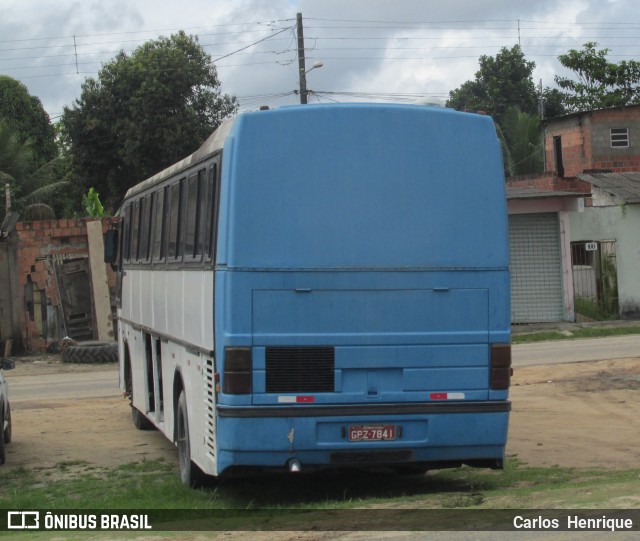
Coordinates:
(372,46)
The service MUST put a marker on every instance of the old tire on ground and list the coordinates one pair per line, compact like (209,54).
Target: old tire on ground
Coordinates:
(190,474)
(90,353)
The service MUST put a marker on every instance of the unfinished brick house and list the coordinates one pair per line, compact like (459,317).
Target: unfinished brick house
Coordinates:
(603,149)
(54,283)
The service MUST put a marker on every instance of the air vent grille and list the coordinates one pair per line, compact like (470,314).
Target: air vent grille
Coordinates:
(300,369)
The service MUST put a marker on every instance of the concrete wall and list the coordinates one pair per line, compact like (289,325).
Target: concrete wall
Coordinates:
(622,224)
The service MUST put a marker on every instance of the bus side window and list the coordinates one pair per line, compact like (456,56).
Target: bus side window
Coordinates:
(203,194)
(126,228)
(191,217)
(135,230)
(145,227)
(159,235)
(175,249)
(210,221)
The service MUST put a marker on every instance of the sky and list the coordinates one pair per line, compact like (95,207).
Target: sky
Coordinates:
(371,50)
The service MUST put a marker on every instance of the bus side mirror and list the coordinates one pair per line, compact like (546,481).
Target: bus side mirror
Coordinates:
(111,246)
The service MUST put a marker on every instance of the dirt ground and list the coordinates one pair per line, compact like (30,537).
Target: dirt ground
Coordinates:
(582,415)
(97,431)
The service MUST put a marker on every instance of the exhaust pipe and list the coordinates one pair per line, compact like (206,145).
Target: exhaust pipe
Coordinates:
(294,465)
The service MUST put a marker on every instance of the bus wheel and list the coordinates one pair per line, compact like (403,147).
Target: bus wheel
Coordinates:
(140,421)
(190,474)
(3,455)
(6,437)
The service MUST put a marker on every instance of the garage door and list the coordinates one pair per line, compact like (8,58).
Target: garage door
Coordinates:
(536,268)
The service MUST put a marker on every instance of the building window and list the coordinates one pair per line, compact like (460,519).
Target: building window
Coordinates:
(619,137)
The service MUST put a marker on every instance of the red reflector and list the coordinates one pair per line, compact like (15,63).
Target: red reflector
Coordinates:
(438,396)
(305,399)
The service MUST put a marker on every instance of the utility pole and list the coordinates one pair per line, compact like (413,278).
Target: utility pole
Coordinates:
(541,108)
(301,64)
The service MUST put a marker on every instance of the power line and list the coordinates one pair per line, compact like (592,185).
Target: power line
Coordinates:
(70,44)
(252,44)
(263,23)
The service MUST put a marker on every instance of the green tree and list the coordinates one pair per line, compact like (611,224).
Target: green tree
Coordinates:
(600,84)
(31,186)
(504,88)
(553,103)
(502,82)
(27,118)
(144,112)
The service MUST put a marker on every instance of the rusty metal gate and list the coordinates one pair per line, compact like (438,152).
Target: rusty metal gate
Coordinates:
(74,286)
(595,280)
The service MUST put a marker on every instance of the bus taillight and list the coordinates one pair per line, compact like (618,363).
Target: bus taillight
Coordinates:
(500,366)
(237,371)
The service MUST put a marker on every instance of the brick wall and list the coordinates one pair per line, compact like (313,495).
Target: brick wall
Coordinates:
(39,245)
(549,182)
(586,141)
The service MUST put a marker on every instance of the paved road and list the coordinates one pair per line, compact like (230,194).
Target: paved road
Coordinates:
(576,351)
(105,383)
(64,386)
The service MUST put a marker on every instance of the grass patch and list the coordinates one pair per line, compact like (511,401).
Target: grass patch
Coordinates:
(586,332)
(594,310)
(155,485)
(324,501)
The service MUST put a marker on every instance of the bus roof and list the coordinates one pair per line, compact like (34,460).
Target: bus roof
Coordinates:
(213,144)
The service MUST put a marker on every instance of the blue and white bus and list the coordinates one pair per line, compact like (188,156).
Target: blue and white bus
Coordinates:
(322,286)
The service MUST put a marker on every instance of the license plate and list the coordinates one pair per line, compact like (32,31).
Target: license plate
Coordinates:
(372,432)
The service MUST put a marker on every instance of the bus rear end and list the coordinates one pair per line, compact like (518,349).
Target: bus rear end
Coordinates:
(362,290)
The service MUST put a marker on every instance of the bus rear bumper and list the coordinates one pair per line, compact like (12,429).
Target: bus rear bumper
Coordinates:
(428,441)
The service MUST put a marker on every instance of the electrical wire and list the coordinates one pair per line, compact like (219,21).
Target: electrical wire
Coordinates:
(336,40)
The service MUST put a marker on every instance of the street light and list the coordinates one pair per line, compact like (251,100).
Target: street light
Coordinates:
(316,64)
(303,79)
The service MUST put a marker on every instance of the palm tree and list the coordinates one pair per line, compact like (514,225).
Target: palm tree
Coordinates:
(522,142)
(32,185)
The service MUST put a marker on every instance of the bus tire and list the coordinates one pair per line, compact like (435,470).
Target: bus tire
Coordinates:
(140,421)
(190,474)
(3,455)
(90,353)
(6,437)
